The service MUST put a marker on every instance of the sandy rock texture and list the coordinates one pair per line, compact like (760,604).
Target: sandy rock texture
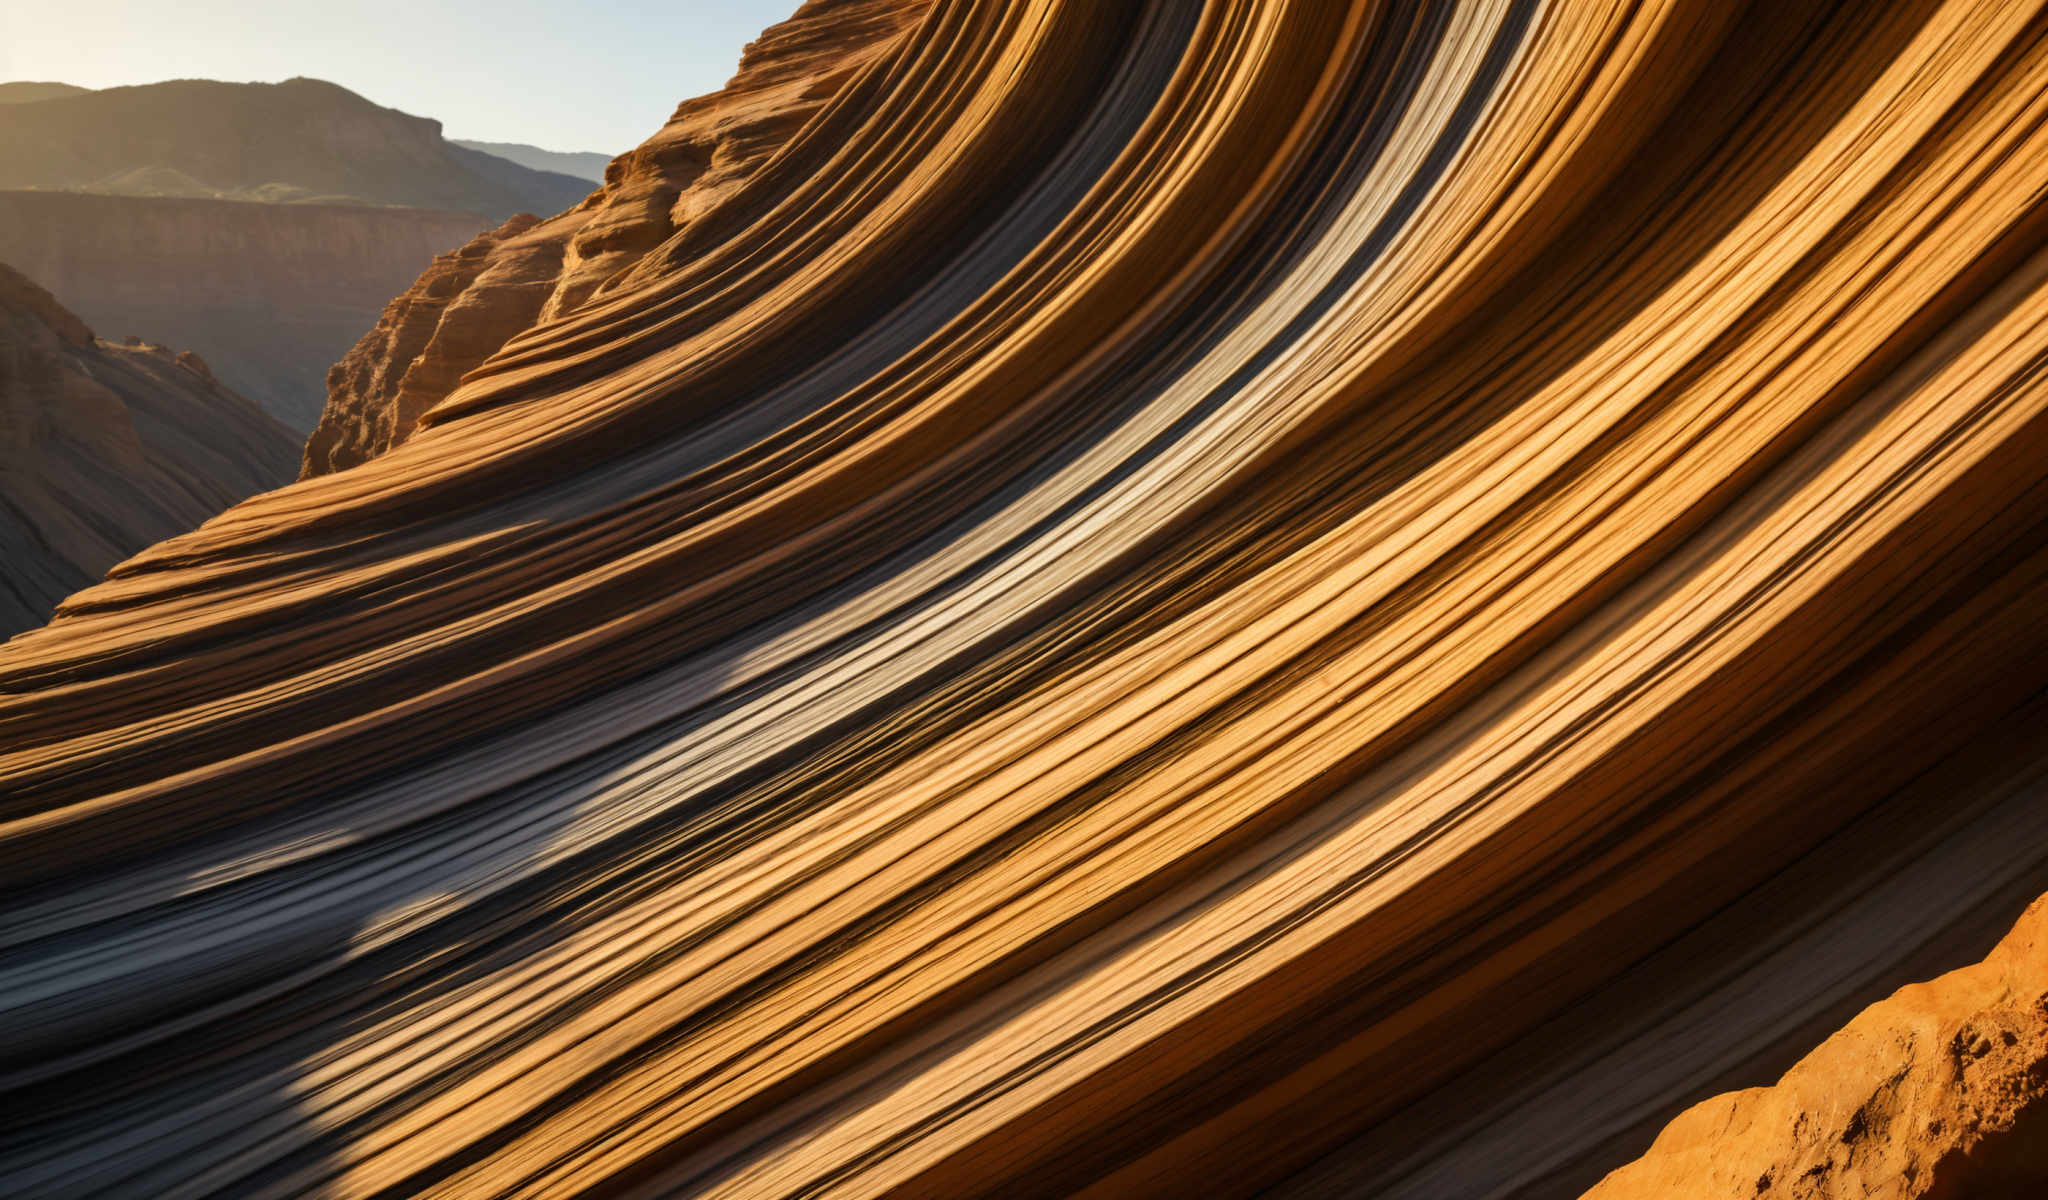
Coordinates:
(1053,598)
(106,448)
(1939,1090)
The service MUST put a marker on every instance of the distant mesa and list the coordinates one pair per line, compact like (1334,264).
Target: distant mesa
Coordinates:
(582,164)
(303,139)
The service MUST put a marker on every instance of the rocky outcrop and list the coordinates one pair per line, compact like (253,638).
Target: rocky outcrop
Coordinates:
(300,140)
(270,295)
(467,304)
(1939,1091)
(107,448)
(670,198)
(1254,598)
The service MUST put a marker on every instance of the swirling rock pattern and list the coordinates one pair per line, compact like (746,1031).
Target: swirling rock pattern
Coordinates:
(1152,599)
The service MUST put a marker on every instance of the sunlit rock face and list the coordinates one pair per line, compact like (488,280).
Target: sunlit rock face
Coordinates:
(1055,599)
(1936,1091)
(681,192)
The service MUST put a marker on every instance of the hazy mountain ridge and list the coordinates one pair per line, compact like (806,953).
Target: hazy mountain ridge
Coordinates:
(161,209)
(29,91)
(270,294)
(303,139)
(580,164)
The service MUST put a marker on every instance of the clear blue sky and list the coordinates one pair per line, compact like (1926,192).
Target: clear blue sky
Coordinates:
(563,74)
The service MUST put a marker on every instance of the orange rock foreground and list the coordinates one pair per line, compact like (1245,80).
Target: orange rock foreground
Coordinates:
(1308,598)
(1937,1091)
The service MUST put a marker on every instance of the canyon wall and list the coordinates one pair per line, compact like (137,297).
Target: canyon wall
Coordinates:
(107,448)
(270,295)
(1055,598)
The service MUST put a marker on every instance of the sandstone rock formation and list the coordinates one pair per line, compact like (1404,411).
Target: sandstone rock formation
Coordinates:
(1046,598)
(303,139)
(680,193)
(1941,1090)
(270,295)
(105,449)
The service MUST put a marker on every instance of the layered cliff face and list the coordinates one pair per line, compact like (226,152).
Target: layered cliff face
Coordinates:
(1058,599)
(107,448)
(269,295)
(677,195)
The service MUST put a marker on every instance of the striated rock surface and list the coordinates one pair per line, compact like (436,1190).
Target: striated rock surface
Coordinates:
(107,448)
(672,198)
(270,295)
(300,140)
(1244,598)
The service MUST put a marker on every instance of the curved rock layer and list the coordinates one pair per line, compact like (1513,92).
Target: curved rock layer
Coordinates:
(1152,600)
(679,193)
(107,448)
